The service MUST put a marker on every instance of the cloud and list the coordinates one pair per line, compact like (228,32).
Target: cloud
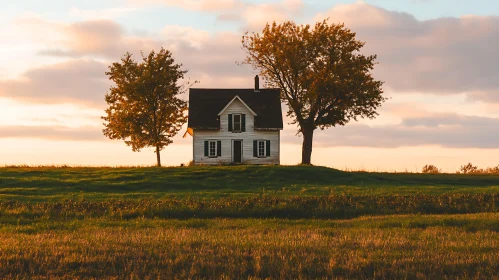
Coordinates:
(252,16)
(444,120)
(228,17)
(210,59)
(98,38)
(445,130)
(444,56)
(67,133)
(79,81)
(491,96)
(196,5)
(107,39)
(87,133)
(256,16)
(87,14)
(94,37)
(101,39)
(440,56)
(189,37)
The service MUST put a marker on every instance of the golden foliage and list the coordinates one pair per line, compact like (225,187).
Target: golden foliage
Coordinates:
(144,108)
(324,78)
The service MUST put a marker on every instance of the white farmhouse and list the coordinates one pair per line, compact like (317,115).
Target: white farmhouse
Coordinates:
(235,125)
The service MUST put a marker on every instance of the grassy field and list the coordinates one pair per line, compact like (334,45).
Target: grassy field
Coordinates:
(246,222)
(56,184)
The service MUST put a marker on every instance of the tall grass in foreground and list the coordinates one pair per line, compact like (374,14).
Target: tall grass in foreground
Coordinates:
(398,247)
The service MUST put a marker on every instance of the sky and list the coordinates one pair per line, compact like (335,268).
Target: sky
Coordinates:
(438,59)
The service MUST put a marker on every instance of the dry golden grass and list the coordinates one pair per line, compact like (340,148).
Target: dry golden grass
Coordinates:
(400,247)
(116,223)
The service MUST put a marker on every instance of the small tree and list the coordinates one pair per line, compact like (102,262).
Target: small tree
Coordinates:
(492,170)
(144,108)
(469,169)
(430,168)
(324,79)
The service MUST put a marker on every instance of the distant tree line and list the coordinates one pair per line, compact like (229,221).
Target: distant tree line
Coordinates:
(464,169)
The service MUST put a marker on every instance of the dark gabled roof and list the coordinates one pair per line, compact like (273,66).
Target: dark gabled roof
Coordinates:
(205,104)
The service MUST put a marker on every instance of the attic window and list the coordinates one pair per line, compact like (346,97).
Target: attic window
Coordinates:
(236,123)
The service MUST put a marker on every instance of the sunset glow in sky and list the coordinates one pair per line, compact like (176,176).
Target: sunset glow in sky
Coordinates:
(439,60)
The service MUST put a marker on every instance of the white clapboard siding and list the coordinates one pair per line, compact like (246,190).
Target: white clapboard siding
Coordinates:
(226,136)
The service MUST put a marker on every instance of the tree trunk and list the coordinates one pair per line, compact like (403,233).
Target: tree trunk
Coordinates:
(158,156)
(306,151)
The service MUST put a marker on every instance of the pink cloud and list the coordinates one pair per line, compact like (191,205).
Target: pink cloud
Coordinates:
(52,132)
(74,81)
(448,130)
(251,16)
(196,5)
(440,56)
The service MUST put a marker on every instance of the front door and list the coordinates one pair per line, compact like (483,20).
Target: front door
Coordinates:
(237,151)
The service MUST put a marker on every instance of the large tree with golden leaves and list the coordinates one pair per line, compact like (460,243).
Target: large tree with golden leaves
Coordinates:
(144,108)
(324,79)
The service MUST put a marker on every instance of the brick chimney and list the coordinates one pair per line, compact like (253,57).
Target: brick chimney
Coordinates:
(257,83)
